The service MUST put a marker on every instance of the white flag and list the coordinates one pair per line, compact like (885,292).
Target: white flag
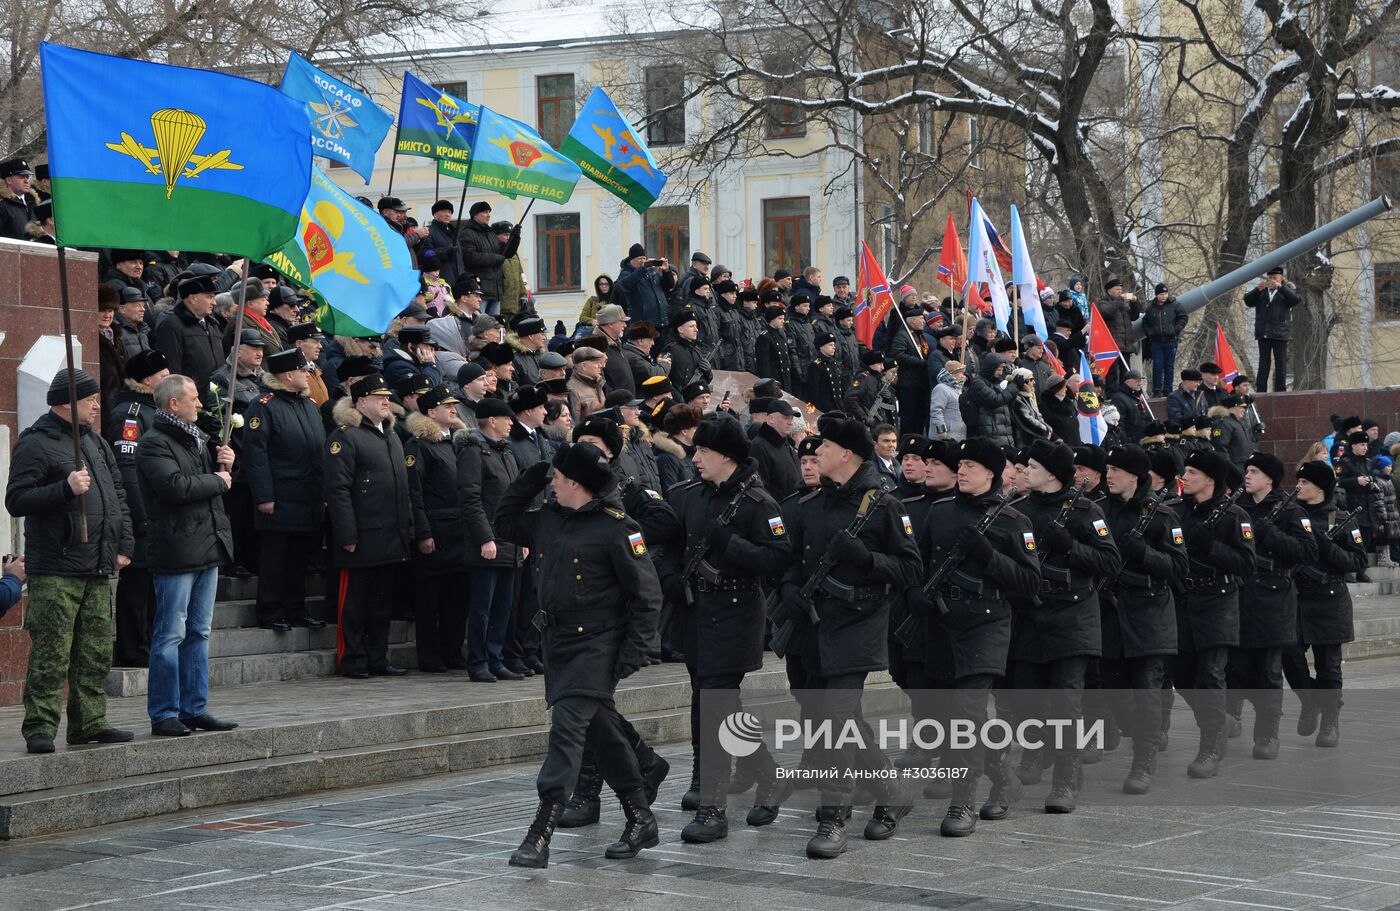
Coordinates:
(1023,277)
(982,269)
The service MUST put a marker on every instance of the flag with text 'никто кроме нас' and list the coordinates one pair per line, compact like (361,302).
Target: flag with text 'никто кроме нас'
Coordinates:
(435,124)
(158,157)
(606,148)
(346,125)
(358,268)
(512,159)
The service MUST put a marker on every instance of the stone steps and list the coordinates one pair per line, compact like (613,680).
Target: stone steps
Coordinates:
(234,614)
(391,729)
(280,660)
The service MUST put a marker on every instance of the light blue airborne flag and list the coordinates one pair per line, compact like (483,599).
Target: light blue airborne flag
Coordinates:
(161,158)
(359,269)
(346,125)
(606,148)
(514,160)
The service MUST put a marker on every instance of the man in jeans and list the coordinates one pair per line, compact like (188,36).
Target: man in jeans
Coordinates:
(183,487)
(1162,324)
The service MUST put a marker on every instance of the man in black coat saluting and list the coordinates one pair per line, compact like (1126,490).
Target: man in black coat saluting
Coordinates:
(601,595)
(372,524)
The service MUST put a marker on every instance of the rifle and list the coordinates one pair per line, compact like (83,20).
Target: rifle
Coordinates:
(819,578)
(1149,509)
(1062,518)
(911,630)
(1332,534)
(697,557)
(1221,510)
(1281,505)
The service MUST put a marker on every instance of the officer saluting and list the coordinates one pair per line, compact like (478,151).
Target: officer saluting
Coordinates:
(966,648)
(1058,632)
(1149,538)
(601,594)
(282,444)
(1324,606)
(734,537)
(1283,541)
(1220,542)
(854,577)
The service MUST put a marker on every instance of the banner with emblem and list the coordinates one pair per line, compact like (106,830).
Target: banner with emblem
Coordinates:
(346,125)
(435,124)
(160,157)
(512,159)
(607,149)
(359,270)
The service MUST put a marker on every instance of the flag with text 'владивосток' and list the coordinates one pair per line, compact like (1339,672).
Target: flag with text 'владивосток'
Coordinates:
(606,148)
(159,157)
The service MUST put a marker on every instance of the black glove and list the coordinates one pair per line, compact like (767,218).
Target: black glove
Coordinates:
(537,475)
(718,536)
(851,553)
(919,602)
(975,545)
(791,606)
(1199,545)
(1056,540)
(1264,531)
(629,661)
(1132,547)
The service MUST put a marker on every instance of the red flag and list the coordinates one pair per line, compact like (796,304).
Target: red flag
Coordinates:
(1225,358)
(1054,361)
(952,262)
(873,297)
(1102,347)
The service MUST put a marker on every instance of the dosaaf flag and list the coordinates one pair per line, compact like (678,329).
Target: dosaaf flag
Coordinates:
(607,149)
(159,157)
(346,125)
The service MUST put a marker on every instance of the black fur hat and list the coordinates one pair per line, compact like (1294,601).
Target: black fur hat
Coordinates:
(724,436)
(603,429)
(985,453)
(1056,458)
(1268,463)
(851,435)
(585,464)
(1321,475)
(1131,459)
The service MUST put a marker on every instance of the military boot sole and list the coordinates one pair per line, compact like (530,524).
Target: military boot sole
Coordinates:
(1203,769)
(530,860)
(622,851)
(695,834)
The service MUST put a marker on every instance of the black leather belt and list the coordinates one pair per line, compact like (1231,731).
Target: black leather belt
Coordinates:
(857,593)
(582,617)
(958,593)
(728,585)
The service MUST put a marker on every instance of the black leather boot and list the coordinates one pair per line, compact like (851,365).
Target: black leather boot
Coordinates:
(1265,736)
(768,801)
(746,774)
(583,807)
(640,831)
(1330,730)
(534,850)
(1064,786)
(710,824)
(653,774)
(1032,766)
(961,818)
(1207,761)
(1309,714)
(1006,787)
(830,840)
(690,800)
(1139,780)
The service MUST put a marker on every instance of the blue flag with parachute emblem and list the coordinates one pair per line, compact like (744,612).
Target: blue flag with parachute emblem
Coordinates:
(346,125)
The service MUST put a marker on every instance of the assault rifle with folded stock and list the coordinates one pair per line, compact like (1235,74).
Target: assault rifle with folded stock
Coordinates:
(912,629)
(1333,533)
(697,565)
(1062,518)
(1216,515)
(820,579)
(1149,509)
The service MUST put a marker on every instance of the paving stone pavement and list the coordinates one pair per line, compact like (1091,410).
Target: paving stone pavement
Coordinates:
(442,843)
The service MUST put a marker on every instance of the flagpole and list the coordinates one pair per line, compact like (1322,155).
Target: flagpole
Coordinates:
(393,163)
(437,179)
(1016,313)
(72,384)
(227,430)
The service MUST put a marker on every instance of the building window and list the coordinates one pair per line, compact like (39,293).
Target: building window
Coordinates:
(787,234)
(455,89)
(665,86)
(1388,290)
(784,120)
(554,107)
(926,130)
(666,233)
(1385,176)
(887,227)
(558,252)
(974,141)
